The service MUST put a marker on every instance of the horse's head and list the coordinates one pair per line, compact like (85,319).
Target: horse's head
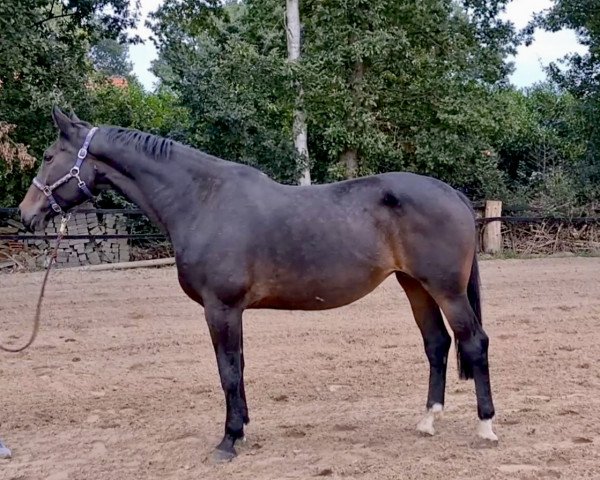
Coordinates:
(66,177)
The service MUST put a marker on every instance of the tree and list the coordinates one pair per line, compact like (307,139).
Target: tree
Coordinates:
(15,158)
(406,86)
(580,76)
(111,57)
(43,60)
(387,85)
(132,106)
(233,77)
(541,145)
(299,128)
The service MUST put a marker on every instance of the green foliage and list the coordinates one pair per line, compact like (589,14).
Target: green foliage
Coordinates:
(408,86)
(43,60)
(231,76)
(159,113)
(401,85)
(111,57)
(581,78)
(542,146)
(14,157)
(544,133)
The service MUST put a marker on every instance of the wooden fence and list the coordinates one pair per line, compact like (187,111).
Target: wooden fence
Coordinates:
(105,236)
(543,234)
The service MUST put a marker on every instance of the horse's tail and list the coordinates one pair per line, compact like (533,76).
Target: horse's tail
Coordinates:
(474,290)
(465,368)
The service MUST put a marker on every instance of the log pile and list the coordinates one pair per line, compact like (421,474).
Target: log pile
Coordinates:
(78,252)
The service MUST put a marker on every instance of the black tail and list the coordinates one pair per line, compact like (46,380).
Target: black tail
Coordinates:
(465,368)
(474,290)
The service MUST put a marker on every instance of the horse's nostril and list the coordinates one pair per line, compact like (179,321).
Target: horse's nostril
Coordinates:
(26,220)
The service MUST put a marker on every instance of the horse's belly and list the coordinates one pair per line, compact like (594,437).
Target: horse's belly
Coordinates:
(316,294)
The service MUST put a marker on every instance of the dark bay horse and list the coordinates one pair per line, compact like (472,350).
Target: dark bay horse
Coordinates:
(242,240)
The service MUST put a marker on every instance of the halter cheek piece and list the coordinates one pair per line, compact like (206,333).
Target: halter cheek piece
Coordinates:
(73,173)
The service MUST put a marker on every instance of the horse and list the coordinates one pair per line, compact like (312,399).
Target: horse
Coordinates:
(243,241)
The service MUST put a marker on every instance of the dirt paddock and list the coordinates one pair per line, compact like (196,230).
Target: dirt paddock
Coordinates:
(122,383)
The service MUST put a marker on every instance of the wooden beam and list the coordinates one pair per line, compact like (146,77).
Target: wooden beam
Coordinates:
(158,262)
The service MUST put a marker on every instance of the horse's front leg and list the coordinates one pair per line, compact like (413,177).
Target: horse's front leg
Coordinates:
(225,326)
(4,450)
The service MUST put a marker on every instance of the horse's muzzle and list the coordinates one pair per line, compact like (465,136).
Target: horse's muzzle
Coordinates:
(27,220)
(32,219)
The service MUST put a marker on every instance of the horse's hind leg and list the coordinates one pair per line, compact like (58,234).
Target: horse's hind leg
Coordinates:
(472,350)
(437,344)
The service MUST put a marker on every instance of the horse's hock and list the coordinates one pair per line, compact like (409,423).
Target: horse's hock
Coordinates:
(84,251)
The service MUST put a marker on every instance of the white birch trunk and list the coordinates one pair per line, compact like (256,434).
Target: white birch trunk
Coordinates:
(299,127)
(349,157)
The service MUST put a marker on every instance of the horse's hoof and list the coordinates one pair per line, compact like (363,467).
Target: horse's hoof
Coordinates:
(425,426)
(485,432)
(222,456)
(486,438)
(5,452)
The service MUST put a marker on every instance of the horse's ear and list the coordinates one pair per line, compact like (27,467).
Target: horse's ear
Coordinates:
(64,123)
(76,119)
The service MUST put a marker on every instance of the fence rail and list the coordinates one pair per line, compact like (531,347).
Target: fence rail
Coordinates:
(495,225)
(130,236)
(546,219)
(158,236)
(103,211)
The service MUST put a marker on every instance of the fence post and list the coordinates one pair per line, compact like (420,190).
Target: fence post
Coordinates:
(492,233)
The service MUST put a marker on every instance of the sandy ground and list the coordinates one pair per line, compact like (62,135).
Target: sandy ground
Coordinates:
(122,383)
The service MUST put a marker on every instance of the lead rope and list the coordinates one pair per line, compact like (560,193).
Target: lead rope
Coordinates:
(38,310)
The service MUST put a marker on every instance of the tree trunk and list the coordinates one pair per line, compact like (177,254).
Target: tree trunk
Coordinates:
(299,127)
(349,160)
(349,157)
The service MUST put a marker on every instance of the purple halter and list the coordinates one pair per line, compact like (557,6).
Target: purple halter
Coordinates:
(73,173)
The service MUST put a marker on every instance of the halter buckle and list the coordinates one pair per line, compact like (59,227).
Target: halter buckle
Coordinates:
(46,190)
(56,207)
(82,153)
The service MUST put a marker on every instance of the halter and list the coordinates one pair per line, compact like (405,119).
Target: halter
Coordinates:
(73,173)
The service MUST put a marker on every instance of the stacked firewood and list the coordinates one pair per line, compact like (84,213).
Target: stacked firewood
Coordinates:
(72,252)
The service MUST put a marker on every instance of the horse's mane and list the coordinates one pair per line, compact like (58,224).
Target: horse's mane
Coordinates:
(152,145)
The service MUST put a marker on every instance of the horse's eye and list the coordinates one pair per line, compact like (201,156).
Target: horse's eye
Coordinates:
(47,158)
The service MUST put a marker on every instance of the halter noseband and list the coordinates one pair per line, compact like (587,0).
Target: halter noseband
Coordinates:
(73,173)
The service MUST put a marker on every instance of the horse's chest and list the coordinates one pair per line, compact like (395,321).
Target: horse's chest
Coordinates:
(191,289)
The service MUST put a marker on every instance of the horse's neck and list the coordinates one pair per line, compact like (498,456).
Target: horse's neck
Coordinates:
(162,188)
(129,189)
